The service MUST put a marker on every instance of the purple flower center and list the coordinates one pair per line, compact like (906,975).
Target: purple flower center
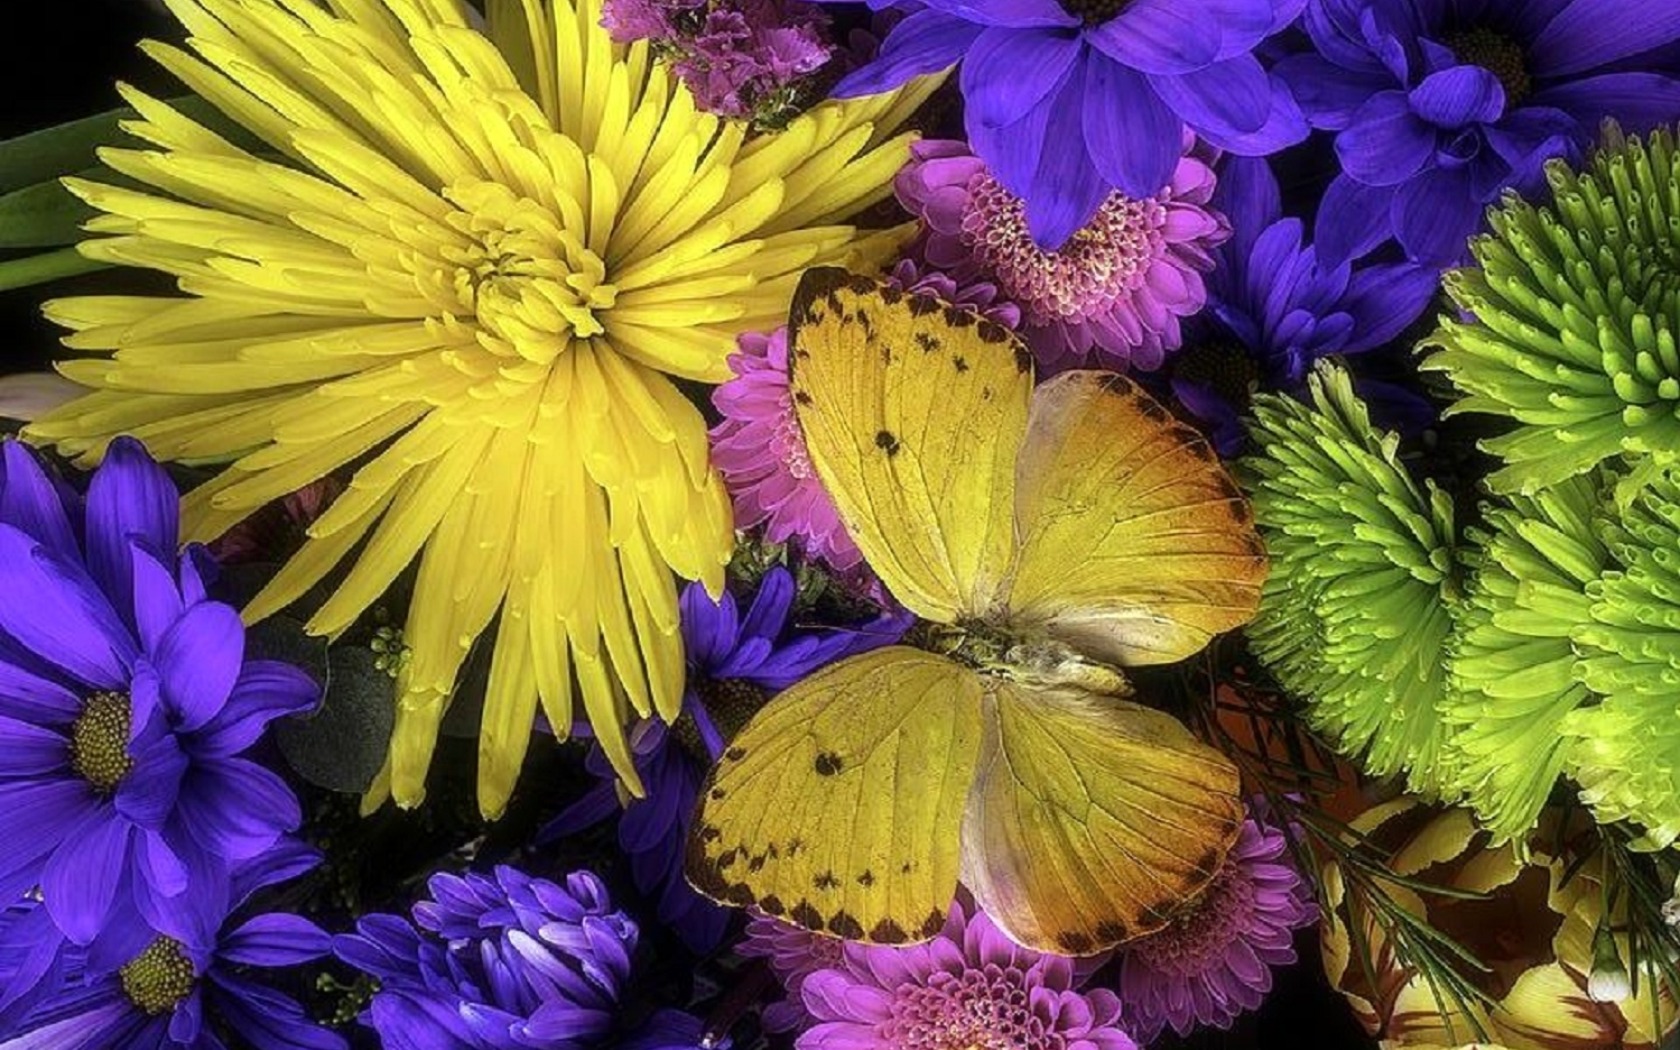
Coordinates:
(1194,943)
(1222,368)
(99,741)
(1094,12)
(1499,55)
(159,977)
(980,1009)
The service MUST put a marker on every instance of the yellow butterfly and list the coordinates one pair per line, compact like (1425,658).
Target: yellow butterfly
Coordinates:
(1048,537)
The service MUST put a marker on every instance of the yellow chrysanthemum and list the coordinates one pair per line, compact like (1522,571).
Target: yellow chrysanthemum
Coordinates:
(464,262)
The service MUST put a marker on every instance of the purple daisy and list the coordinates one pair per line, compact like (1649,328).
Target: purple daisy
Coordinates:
(168,994)
(970,986)
(1441,105)
(794,953)
(1216,962)
(1275,308)
(1068,100)
(496,962)
(125,706)
(760,449)
(735,664)
(1113,296)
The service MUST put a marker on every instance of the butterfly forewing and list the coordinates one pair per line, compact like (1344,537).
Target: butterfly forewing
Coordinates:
(838,807)
(913,413)
(1136,547)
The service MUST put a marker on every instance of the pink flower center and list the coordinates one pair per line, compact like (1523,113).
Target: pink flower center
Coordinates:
(979,1009)
(1103,262)
(1196,942)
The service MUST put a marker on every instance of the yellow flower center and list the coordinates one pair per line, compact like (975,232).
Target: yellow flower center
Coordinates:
(527,277)
(159,977)
(99,741)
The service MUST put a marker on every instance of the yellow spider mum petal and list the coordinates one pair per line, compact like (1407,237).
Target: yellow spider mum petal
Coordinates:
(465,262)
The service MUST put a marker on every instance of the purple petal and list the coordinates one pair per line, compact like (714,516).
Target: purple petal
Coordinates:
(926,42)
(1385,300)
(66,620)
(1284,127)
(768,614)
(29,697)
(30,750)
(235,808)
(264,691)
(1434,216)
(1638,101)
(1353,218)
(29,501)
(81,876)
(1020,14)
(1248,195)
(163,868)
(147,794)
(1456,97)
(282,862)
(271,1021)
(157,601)
(1228,98)
(275,940)
(1066,188)
(1159,36)
(130,498)
(1328,95)
(1008,72)
(198,660)
(1134,140)
(1592,33)
(1386,144)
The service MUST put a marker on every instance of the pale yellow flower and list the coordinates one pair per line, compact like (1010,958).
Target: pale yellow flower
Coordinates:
(464,264)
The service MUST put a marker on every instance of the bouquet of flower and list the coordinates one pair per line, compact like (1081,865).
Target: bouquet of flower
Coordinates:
(918,525)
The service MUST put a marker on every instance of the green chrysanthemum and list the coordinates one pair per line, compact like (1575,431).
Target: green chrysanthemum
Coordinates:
(1355,616)
(1513,676)
(1576,308)
(1626,749)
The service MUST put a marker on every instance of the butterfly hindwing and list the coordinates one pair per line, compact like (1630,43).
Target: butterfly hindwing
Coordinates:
(838,807)
(1091,820)
(913,413)
(1136,546)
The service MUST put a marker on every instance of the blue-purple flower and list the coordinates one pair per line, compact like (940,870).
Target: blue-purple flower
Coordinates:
(1275,307)
(1068,101)
(673,1030)
(497,962)
(735,663)
(125,707)
(1440,105)
(165,994)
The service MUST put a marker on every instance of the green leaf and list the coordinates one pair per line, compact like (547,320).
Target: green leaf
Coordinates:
(65,149)
(48,266)
(343,745)
(45,215)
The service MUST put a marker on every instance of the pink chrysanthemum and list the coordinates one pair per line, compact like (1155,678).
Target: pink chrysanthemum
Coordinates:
(1113,296)
(794,953)
(760,449)
(970,988)
(1216,962)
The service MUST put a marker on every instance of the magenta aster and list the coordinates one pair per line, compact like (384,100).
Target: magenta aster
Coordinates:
(970,988)
(1112,295)
(794,953)
(1217,961)
(760,449)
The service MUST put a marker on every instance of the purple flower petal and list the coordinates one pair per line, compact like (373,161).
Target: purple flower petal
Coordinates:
(275,940)
(1434,216)
(271,1021)
(1248,195)
(1228,98)
(66,620)
(130,498)
(1638,101)
(1134,140)
(29,501)
(1019,14)
(198,660)
(1592,33)
(1454,98)
(28,750)
(1066,188)
(32,698)
(1353,218)
(157,601)
(235,808)
(1386,144)
(767,615)
(80,879)
(147,794)
(1328,95)
(1385,300)
(264,691)
(1161,36)
(926,42)
(1008,72)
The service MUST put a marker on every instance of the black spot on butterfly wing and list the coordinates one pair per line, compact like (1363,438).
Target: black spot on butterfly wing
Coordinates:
(806,916)
(846,926)
(888,932)
(931,925)
(887,442)
(1075,942)
(927,342)
(828,764)
(1112,932)
(922,305)
(961,362)
(825,881)
(773,905)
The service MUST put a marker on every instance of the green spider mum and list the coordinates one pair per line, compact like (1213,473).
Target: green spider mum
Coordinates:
(1513,678)
(1576,308)
(1626,749)
(1355,616)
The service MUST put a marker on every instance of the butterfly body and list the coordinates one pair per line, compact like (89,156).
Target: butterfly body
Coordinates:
(1048,539)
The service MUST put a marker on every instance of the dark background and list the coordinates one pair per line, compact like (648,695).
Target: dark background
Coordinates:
(60,62)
